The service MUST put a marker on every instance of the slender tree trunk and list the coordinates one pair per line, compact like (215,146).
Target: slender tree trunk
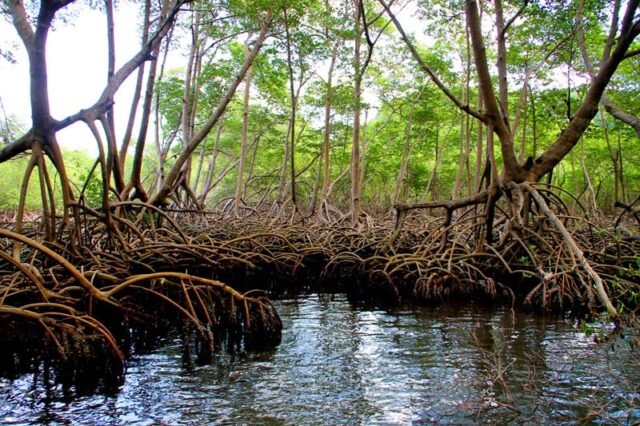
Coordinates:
(613,154)
(404,161)
(316,186)
(455,190)
(592,203)
(158,133)
(212,165)
(479,150)
(255,144)
(196,181)
(364,145)
(138,89)
(433,177)
(621,172)
(282,187)
(174,174)
(534,126)
(243,138)
(113,161)
(355,145)
(135,181)
(464,126)
(292,127)
(326,148)
(523,141)
(501,39)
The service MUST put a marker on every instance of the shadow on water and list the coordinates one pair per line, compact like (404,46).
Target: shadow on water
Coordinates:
(340,364)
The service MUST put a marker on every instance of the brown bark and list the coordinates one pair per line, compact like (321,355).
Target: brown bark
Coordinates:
(138,89)
(501,39)
(479,150)
(292,118)
(212,165)
(35,45)
(494,115)
(113,162)
(326,175)
(404,161)
(575,250)
(355,144)
(135,180)
(621,115)
(243,138)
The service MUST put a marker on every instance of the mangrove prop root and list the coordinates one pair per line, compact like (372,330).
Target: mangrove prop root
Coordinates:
(200,271)
(73,302)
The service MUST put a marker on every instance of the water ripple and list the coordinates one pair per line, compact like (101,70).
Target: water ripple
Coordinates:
(343,365)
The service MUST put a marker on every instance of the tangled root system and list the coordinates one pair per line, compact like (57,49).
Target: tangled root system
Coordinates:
(116,287)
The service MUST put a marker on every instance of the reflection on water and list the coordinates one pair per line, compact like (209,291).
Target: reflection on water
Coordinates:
(343,365)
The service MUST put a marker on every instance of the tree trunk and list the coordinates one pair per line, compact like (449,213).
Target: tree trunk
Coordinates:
(355,145)
(292,127)
(502,59)
(243,138)
(138,89)
(326,147)
(212,165)
(254,146)
(404,161)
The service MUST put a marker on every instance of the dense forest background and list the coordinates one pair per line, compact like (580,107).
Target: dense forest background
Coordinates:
(334,87)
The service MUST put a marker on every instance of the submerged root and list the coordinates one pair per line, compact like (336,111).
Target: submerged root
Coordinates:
(86,315)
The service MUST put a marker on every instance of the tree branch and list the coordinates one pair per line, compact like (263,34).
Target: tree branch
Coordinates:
(514,17)
(494,114)
(632,53)
(589,107)
(16,148)
(21,24)
(124,72)
(426,68)
(621,115)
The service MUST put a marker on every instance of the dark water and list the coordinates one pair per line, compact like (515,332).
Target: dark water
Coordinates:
(343,365)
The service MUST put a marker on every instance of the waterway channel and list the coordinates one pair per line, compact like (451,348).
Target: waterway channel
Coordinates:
(345,364)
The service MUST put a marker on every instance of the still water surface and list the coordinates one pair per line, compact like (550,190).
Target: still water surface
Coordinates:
(340,364)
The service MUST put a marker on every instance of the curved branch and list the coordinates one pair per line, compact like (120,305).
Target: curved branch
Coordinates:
(22,25)
(18,147)
(426,68)
(589,107)
(105,100)
(514,17)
